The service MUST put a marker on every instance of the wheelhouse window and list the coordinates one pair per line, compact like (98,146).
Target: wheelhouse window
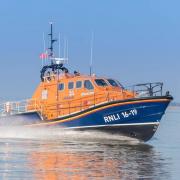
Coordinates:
(78,84)
(113,82)
(70,85)
(101,82)
(61,87)
(88,85)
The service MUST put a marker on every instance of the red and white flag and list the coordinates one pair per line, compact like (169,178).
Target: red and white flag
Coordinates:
(43,55)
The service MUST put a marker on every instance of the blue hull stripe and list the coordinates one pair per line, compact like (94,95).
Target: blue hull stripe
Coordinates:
(149,110)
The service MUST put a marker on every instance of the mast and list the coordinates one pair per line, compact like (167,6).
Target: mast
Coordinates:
(52,41)
(51,55)
(57,64)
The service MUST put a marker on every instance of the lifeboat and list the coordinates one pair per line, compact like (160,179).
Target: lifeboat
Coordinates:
(88,102)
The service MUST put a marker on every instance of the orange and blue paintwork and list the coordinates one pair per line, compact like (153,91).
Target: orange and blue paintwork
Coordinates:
(90,102)
(108,107)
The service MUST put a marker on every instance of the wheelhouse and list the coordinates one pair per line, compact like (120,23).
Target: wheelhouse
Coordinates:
(59,93)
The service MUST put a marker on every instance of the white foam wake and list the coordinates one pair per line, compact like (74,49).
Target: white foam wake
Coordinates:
(58,133)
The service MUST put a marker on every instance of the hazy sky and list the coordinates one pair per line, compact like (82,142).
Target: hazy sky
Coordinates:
(134,41)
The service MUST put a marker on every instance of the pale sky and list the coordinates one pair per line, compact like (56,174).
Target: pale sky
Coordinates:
(134,41)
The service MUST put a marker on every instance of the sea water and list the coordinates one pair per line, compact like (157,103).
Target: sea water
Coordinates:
(52,154)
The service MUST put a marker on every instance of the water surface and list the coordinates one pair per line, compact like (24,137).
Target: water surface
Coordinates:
(54,154)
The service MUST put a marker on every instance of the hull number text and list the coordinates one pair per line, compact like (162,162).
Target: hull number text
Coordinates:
(121,115)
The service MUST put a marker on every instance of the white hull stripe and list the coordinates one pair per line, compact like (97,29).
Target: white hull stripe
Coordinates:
(114,125)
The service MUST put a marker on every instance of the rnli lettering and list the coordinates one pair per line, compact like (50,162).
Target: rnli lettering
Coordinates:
(111,118)
(87,93)
(120,115)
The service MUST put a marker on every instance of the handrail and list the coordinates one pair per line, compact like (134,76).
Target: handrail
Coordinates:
(73,106)
(147,89)
(17,107)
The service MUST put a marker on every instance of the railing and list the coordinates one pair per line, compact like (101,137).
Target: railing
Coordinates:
(147,89)
(18,107)
(54,110)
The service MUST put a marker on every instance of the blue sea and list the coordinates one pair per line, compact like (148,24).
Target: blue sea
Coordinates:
(53,154)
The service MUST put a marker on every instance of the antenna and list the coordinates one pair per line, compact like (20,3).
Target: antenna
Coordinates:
(67,51)
(59,45)
(65,41)
(44,42)
(91,59)
(44,47)
(51,41)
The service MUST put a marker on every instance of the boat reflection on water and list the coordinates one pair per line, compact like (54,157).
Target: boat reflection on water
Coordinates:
(81,160)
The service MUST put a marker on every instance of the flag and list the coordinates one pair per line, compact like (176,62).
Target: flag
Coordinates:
(43,55)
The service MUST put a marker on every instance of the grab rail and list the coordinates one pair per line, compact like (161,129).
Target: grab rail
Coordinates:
(18,107)
(147,89)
